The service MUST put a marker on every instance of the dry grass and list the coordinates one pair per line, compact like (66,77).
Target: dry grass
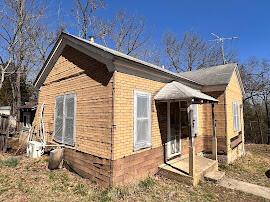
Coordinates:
(252,167)
(27,179)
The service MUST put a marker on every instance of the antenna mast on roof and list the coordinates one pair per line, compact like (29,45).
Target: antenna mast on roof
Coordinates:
(221,41)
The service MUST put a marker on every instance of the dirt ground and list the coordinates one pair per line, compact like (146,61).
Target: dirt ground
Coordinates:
(25,179)
(252,167)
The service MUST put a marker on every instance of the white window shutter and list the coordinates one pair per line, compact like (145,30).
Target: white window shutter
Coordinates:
(236,123)
(142,120)
(69,119)
(237,117)
(58,125)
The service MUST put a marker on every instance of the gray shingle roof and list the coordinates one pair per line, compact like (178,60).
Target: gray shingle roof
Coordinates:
(216,75)
(179,91)
(128,57)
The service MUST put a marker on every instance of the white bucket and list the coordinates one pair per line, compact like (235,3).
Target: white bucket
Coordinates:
(34,149)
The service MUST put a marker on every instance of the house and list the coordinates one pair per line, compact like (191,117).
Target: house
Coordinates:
(122,119)
(27,114)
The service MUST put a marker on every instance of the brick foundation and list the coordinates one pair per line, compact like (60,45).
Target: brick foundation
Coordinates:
(89,166)
(121,171)
(137,166)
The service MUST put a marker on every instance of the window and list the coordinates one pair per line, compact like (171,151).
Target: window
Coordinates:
(236,123)
(64,119)
(142,120)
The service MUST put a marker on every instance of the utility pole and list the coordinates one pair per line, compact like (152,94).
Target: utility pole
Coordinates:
(221,40)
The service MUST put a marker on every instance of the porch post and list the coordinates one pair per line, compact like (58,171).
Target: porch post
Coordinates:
(214,137)
(191,144)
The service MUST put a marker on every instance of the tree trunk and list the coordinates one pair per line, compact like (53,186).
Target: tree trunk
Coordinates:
(2,78)
(18,94)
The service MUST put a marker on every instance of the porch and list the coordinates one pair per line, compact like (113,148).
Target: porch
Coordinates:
(180,103)
(178,169)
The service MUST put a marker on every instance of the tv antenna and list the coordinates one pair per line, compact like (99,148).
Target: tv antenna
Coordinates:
(221,40)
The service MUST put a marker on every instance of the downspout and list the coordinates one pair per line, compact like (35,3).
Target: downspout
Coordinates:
(112,129)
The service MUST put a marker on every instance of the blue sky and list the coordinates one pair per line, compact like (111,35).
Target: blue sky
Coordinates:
(247,19)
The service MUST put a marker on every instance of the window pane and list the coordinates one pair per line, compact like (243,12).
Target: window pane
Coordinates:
(142,132)
(58,125)
(142,106)
(59,106)
(69,127)
(69,119)
(70,105)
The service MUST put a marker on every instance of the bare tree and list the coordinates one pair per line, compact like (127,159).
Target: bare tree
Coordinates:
(125,33)
(84,14)
(256,79)
(191,52)
(21,23)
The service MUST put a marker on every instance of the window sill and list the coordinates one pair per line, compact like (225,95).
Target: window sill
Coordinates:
(61,143)
(142,149)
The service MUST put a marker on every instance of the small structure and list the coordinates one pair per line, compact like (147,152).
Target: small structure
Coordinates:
(27,114)
(121,119)
(5,110)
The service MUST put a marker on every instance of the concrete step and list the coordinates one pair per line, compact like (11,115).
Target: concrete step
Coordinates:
(214,176)
(174,174)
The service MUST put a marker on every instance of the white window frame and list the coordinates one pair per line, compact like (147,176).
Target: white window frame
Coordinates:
(236,117)
(64,114)
(137,147)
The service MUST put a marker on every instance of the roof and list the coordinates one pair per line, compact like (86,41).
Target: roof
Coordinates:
(104,52)
(29,105)
(179,91)
(216,75)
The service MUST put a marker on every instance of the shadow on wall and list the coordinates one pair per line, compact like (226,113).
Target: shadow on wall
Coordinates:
(92,68)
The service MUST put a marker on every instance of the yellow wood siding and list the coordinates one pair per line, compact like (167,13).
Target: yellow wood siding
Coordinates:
(206,127)
(123,112)
(92,84)
(233,94)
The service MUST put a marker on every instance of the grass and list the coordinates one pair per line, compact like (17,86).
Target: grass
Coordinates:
(9,162)
(252,167)
(30,180)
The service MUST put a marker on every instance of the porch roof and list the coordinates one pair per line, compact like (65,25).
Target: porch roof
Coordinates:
(179,91)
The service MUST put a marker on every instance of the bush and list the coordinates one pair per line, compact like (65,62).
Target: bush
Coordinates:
(9,162)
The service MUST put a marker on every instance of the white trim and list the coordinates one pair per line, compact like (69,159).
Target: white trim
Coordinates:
(136,93)
(51,59)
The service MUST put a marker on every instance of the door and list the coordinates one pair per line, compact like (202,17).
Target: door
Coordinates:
(26,119)
(173,115)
